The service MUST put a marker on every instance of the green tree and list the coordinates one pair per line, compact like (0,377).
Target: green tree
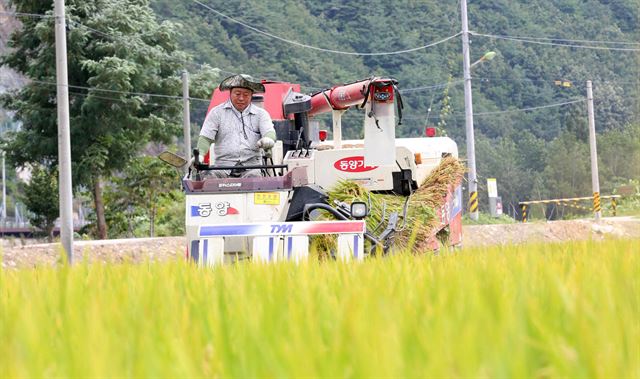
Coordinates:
(567,172)
(138,193)
(40,196)
(115,47)
(619,156)
(500,158)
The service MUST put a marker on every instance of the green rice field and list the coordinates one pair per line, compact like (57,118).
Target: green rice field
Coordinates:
(530,311)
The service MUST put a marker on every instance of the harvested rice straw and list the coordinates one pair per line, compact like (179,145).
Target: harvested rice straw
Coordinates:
(421,217)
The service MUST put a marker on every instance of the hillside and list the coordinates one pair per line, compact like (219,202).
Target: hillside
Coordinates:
(531,134)
(521,76)
(520,148)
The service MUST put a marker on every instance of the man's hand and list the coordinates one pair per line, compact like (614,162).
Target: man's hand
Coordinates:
(266,143)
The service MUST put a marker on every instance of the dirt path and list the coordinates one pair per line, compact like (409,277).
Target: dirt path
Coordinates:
(552,231)
(167,248)
(122,250)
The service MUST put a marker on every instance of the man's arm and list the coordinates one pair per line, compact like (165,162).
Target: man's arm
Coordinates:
(211,124)
(204,144)
(267,132)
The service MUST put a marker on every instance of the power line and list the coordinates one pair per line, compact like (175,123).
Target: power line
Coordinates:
(96,31)
(208,100)
(434,86)
(553,43)
(547,80)
(200,65)
(532,108)
(123,92)
(114,99)
(439,85)
(23,14)
(571,40)
(67,20)
(320,48)
(113,37)
(460,115)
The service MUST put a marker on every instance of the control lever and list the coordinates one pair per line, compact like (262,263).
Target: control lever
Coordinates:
(196,156)
(196,164)
(386,237)
(343,208)
(308,149)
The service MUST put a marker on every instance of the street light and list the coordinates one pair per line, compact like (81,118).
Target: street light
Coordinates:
(489,55)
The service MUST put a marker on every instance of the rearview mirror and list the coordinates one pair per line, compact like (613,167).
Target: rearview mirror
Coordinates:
(172,159)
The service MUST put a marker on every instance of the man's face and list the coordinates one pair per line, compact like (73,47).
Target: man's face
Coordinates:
(241,98)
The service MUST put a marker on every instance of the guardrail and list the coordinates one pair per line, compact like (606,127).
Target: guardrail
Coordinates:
(572,202)
(16,226)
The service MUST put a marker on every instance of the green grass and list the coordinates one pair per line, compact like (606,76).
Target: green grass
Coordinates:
(561,310)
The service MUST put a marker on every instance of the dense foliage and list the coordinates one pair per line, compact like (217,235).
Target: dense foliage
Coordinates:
(145,192)
(530,152)
(131,52)
(40,196)
(124,46)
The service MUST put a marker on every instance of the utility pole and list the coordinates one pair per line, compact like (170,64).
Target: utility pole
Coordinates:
(595,181)
(468,111)
(4,191)
(64,143)
(186,117)
(4,182)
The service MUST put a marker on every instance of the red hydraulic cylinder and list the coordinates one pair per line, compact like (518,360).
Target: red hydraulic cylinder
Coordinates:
(347,95)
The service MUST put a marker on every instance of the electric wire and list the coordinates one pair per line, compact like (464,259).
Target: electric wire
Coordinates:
(123,40)
(23,14)
(532,108)
(553,43)
(439,85)
(483,79)
(123,92)
(299,44)
(115,99)
(571,40)
(76,23)
(434,86)
(480,114)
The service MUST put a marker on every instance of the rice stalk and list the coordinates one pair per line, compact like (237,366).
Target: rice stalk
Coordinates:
(421,222)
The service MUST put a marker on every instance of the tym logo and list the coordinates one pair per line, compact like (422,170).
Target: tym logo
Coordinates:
(281,229)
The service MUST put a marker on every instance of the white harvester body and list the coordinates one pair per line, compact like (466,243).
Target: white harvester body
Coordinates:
(233,219)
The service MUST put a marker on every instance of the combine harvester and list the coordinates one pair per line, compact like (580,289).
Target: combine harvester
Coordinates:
(269,218)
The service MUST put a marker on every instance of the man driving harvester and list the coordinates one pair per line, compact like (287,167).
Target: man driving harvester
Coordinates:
(237,129)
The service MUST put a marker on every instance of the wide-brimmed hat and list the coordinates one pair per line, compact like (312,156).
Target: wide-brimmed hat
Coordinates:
(241,81)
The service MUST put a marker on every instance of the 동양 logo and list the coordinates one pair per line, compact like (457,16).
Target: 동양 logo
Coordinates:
(222,208)
(353,164)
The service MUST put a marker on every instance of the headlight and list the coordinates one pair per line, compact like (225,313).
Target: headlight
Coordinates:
(358,210)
